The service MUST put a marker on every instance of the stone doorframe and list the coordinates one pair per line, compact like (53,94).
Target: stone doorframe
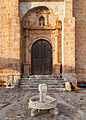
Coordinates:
(50,31)
(55,63)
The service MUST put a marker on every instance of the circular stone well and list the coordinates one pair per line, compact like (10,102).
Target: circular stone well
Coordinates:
(49,103)
(42,102)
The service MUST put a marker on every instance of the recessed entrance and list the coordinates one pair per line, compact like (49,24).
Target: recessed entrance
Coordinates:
(44,56)
(41,58)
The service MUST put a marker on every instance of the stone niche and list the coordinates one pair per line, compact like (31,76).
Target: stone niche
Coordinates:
(41,23)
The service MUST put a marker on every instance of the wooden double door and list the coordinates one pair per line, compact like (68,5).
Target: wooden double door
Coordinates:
(41,58)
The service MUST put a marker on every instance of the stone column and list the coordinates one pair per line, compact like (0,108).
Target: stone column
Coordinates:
(26,65)
(27,39)
(56,55)
(56,48)
(68,40)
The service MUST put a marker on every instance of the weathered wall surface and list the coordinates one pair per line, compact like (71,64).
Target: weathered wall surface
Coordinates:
(68,42)
(79,11)
(10,32)
(57,6)
(9,38)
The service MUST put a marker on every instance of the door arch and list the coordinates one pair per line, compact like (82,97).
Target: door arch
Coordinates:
(41,58)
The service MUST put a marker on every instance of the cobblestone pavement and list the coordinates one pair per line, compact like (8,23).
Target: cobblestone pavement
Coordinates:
(14,105)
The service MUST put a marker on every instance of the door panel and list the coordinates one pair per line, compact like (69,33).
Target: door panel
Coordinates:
(41,58)
(36,67)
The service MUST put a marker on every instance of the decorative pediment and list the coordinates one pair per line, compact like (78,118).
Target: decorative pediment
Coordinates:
(40,18)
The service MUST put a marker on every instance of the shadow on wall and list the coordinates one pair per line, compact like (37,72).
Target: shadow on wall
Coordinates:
(14,64)
(68,69)
(9,63)
(59,69)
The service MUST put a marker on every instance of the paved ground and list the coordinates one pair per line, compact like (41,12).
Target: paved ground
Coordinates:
(14,105)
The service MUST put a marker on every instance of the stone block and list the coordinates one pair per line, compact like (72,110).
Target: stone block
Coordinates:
(68,86)
(42,87)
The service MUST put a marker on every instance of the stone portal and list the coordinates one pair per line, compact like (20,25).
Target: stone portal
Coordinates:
(41,42)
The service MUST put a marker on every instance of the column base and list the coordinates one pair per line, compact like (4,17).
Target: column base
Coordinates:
(56,69)
(26,69)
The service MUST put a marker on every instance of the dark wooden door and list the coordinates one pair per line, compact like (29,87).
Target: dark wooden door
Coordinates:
(41,58)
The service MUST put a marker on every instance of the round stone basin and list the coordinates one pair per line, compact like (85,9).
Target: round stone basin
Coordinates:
(49,103)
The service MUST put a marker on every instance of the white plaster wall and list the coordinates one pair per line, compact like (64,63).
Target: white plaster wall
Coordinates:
(58,7)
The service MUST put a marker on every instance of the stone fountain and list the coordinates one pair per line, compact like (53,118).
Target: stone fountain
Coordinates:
(42,102)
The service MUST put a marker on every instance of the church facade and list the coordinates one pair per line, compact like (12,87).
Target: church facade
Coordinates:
(43,37)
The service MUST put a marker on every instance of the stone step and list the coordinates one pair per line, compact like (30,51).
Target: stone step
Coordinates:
(28,79)
(49,86)
(43,79)
(43,83)
(48,81)
(58,84)
(60,89)
(32,82)
(36,84)
(39,81)
(43,76)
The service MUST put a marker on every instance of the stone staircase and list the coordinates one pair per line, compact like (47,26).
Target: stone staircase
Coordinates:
(32,82)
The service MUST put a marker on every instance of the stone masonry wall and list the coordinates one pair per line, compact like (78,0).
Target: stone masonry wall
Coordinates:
(10,32)
(79,12)
(68,40)
(57,6)
(9,38)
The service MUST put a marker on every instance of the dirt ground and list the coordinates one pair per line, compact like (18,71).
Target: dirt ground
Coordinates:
(14,105)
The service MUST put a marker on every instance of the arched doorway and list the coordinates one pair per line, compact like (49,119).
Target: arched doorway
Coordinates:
(41,58)
(41,28)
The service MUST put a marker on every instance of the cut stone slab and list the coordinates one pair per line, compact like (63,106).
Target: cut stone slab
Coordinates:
(68,86)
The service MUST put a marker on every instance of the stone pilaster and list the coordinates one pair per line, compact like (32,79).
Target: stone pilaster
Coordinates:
(68,45)
(68,41)
(27,64)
